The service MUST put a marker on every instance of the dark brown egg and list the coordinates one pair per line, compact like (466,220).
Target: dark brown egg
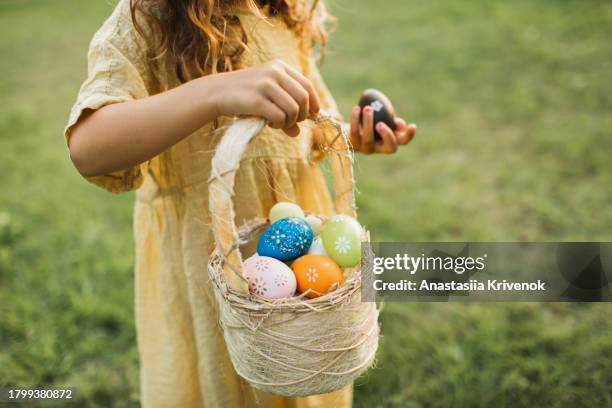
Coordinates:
(382,107)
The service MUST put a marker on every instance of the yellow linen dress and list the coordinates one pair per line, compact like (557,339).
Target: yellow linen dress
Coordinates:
(183,358)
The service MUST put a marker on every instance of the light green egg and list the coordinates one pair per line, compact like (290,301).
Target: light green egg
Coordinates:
(342,240)
(285,209)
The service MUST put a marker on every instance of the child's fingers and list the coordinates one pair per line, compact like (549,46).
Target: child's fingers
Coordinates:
(400,124)
(408,134)
(404,132)
(298,93)
(313,99)
(292,131)
(389,143)
(412,129)
(368,145)
(402,137)
(405,136)
(354,132)
(285,102)
(272,113)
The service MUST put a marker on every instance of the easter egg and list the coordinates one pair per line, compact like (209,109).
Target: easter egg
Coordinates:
(342,240)
(317,247)
(286,239)
(382,108)
(315,223)
(285,209)
(318,273)
(269,277)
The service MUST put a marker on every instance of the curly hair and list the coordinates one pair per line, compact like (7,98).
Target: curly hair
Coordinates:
(205,36)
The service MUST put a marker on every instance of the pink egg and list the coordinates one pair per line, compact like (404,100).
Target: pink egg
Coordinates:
(269,277)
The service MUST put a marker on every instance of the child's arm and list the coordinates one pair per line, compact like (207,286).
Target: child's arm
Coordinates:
(122,135)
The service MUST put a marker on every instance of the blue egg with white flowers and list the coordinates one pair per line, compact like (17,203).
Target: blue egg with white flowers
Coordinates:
(286,239)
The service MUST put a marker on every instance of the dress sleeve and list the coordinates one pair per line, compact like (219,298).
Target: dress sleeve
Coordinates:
(112,78)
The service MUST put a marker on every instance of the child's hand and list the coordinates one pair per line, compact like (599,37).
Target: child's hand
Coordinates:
(273,91)
(362,135)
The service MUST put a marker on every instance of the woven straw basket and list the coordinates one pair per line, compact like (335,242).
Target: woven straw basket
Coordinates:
(294,346)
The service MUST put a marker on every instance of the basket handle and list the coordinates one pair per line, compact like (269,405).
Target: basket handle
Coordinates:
(224,165)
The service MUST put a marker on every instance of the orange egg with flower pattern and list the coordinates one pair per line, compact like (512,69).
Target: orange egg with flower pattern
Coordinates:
(318,273)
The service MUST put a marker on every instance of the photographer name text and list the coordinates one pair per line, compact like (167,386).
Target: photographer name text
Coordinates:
(472,285)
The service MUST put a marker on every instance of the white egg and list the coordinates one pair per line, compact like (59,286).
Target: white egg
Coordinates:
(269,277)
(285,209)
(317,247)
(315,222)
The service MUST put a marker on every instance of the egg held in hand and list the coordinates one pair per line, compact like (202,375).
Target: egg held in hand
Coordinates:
(286,239)
(285,209)
(269,277)
(316,275)
(342,240)
(381,107)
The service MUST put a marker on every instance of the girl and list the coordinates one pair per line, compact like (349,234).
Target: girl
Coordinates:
(165,77)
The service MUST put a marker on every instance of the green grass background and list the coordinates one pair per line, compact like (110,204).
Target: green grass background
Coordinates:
(514,106)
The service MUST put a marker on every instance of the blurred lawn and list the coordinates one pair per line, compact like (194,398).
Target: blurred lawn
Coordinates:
(514,106)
